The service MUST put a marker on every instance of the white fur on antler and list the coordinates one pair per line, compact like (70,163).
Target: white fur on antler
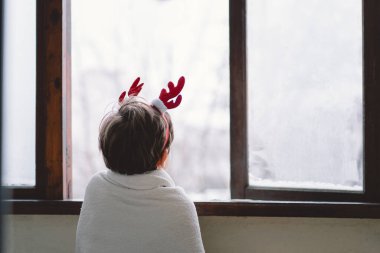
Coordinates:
(159,105)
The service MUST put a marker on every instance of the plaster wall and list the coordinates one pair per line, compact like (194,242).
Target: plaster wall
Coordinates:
(56,233)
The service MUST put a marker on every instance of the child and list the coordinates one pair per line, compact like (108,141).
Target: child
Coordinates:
(135,206)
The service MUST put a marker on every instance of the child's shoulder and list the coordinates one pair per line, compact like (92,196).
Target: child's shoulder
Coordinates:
(98,176)
(96,182)
(175,196)
(154,186)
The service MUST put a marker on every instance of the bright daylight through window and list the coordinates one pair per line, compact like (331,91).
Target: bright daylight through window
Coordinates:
(19,93)
(113,42)
(305,94)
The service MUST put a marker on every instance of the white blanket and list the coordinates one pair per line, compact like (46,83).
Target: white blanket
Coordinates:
(139,213)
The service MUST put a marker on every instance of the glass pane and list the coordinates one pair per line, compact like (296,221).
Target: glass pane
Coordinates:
(158,41)
(19,91)
(305,94)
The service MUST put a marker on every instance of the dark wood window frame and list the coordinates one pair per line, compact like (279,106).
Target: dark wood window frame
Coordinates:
(53,116)
(52,192)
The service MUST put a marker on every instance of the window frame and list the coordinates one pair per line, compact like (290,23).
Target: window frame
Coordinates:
(240,187)
(52,192)
(53,105)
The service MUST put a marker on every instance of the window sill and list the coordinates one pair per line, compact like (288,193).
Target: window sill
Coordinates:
(225,208)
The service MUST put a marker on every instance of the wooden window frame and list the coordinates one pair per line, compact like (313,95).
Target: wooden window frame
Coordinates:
(52,192)
(240,187)
(53,107)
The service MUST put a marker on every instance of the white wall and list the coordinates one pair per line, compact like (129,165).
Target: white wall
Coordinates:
(56,233)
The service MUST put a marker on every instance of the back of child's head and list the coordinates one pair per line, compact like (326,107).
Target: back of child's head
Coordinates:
(133,138)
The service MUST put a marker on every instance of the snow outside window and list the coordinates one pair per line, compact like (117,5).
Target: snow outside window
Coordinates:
(115,41)
(305,94)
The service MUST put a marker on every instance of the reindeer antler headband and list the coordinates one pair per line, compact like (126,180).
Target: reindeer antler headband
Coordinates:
(134,90)
(163,102)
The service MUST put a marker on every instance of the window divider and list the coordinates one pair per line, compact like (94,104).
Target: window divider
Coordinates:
(66,94)
(371,61)
(53,145)
(238,100)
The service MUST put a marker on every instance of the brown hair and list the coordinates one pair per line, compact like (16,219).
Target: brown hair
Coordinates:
(132,138)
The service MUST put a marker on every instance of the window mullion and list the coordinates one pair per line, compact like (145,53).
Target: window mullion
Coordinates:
(52,98)
(238,100)
(371,10)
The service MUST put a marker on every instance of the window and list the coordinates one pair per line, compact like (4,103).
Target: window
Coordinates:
(174,38)
(19,93)
(52,101)
(303,73)
(305,94)
(53,137)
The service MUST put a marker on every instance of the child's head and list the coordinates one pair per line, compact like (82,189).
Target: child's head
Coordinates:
(132,139)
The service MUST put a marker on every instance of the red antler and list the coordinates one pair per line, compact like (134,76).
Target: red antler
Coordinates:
(133,91)
(173,93)
(122,96)
(135,88)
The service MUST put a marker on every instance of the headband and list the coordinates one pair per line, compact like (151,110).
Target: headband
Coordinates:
(163,103)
